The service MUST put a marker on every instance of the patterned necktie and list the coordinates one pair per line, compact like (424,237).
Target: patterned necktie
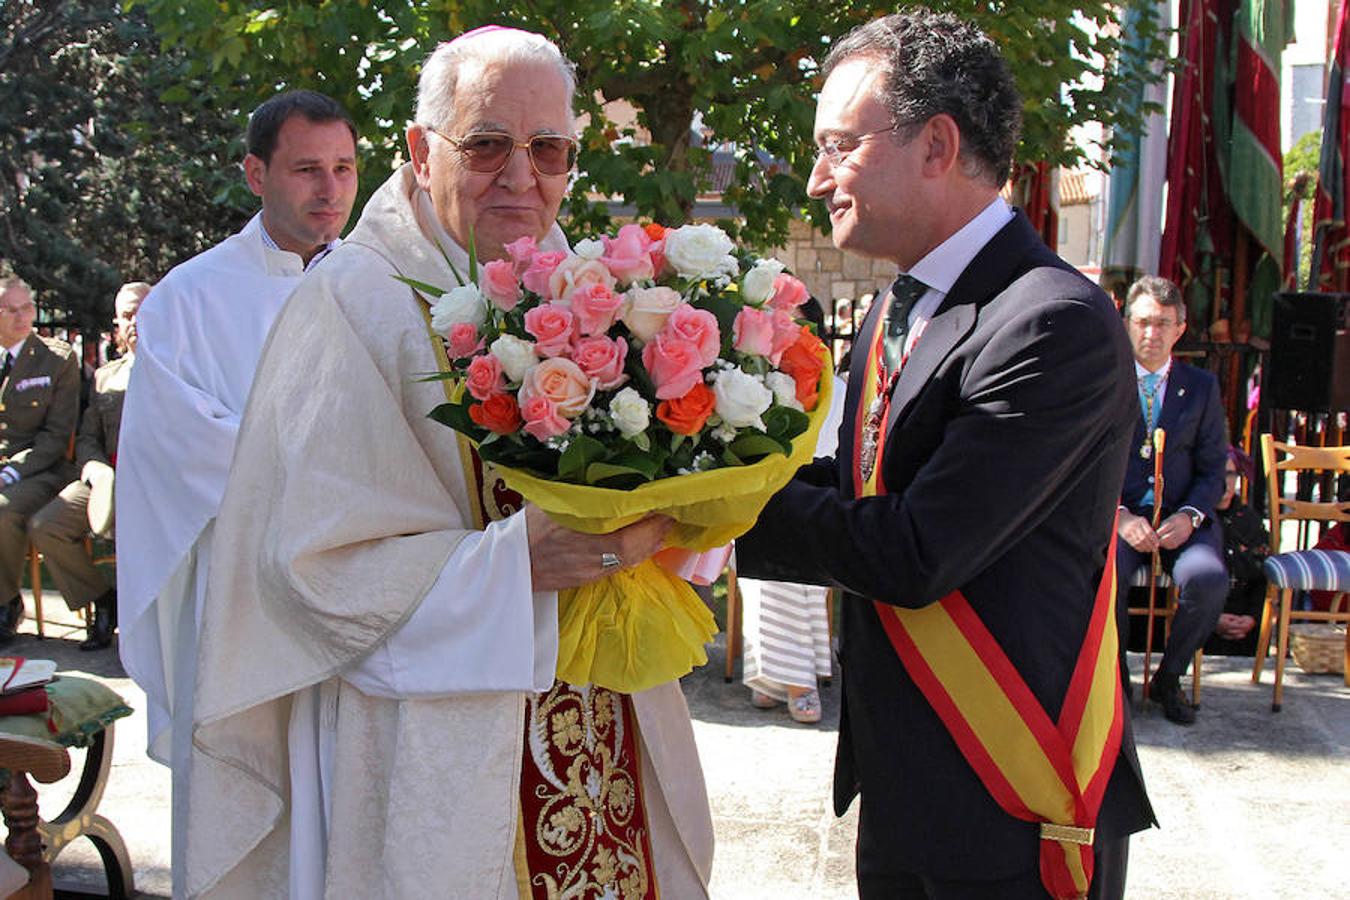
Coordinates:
(1148,401)
(9,364)
(904,293)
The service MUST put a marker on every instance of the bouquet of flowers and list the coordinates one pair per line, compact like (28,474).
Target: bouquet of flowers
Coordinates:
(655,370)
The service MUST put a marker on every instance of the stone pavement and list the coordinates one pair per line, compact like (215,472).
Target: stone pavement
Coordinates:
(1251,804)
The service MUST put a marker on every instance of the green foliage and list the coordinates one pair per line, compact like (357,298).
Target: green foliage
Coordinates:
(1300,178)
(116,161)
(745,70)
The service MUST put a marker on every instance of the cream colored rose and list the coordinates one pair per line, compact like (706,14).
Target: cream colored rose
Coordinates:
(464,304)
(741,399)
(574,272)
(562,381)
(784,388)
(699,251)
(516,356)
(645,310)
(631,414)
(758,284)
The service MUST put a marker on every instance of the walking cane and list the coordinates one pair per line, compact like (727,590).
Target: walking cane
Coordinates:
(1159,440)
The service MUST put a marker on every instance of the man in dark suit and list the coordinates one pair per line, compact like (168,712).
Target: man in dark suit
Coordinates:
(1184,402)
(39,403)
(977,476)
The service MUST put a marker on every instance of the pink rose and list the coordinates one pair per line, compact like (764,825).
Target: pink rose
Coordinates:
(788,292)
(498,284)
(646,310)
(464,340)
(786,332)
(541,418)
(485,377)
(594,308)
(674,364)
(575,273)
(752,332)
(541,266)
(561,381)
(551,326)
(699,327)
(629,254)
(602,359)
(522,252)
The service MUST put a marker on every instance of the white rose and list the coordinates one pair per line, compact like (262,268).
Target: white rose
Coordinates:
(516,356)
(463,304)
(699,251)
(758,284)
(741,399)
(589,249)
(784,390)
(645,310)
(630,412)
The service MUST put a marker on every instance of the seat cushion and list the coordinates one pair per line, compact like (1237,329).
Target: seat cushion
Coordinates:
(79,708)
(1309,570)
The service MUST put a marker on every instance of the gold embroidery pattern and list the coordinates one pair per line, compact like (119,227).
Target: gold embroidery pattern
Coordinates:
(581,798)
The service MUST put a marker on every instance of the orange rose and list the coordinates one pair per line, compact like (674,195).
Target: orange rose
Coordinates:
(655,231)
(686,415)
(498,413)
(804,363)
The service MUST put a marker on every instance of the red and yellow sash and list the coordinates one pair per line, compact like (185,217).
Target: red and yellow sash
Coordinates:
(1054,773)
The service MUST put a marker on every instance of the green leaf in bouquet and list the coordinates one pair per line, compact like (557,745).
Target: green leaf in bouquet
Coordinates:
(676,442)
(642,441)
(756,445)
(600,472)
(726,310)
(785,423)
(438,376)
(577,458)
(730,459)
(422,286)
(456,415)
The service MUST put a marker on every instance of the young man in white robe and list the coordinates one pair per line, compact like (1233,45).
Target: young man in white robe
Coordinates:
(372,646)
(201,331)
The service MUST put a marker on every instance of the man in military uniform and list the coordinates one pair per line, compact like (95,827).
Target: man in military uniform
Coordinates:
(39,403)
(59,528)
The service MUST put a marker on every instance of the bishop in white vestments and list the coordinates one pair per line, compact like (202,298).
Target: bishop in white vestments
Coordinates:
(376,713)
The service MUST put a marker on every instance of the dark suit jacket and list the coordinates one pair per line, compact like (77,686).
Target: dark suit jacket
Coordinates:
(1002,466)
(1194,453)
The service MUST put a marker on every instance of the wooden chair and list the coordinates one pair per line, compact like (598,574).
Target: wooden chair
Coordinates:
(1140,578)
(735,637)
(47,762)
(1301,569)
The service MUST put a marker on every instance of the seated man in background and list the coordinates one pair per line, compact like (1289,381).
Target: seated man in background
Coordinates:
(1184,402)
(39,403)
(59,528)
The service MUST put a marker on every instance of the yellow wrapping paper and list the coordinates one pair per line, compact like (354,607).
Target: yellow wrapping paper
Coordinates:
(644,626)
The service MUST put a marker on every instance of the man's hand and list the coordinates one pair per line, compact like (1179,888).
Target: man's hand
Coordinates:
(1175,530)
(1137,532)
(1234,628)
(563,558)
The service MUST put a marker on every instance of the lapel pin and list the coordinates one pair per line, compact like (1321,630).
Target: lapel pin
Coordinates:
(1181,392)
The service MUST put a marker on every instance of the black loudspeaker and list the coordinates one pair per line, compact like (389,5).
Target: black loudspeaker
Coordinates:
(1310,353)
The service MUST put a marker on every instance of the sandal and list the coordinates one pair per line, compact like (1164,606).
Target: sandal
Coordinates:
(761,700)
(805,708)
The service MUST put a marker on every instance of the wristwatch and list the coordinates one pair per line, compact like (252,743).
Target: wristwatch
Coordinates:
(1197,518)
